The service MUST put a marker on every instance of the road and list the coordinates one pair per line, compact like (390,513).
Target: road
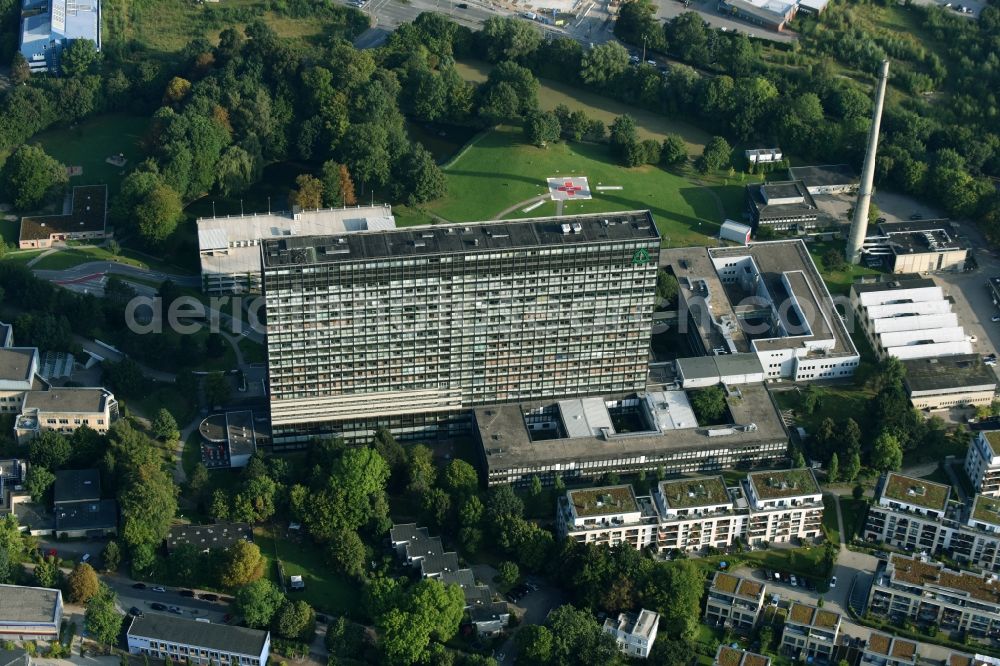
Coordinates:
(92,269)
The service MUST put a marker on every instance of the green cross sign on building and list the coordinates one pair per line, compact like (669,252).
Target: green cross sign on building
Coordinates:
(640,257)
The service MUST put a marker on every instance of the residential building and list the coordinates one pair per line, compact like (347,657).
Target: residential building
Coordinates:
(810,633)
(885,650)
(87,210)
(925,246)
(785,505)
(692,514)
(826,178)
(730,656)
(30,613)
(959,659)
(733,602)
(48,26)
(12,475)
(698,513)
(945,382)
(908,318)
(766,299)
(607,516)
(919,515)
(411,328)
(982,462)
(217,536)
(634,633)
(781,205)
(770,14)
(624,434)
(65,410)
(78,507)
(927,593)
(229,246)
(18,375)
(163,636)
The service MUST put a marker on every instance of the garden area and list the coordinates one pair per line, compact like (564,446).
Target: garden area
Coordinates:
(89,143)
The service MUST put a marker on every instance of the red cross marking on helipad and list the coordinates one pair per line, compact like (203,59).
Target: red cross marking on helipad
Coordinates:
(569,188)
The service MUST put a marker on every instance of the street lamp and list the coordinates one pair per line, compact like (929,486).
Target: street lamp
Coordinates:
(644,48)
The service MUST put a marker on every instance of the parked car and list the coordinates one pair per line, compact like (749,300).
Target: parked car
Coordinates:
(158,606)
(794,581)
(209,597)
(833,582)
(135,612)
(157,589)
(916,216)
(462,5)
(995,318)
(85,558)
(174,609)
(187,593)
(138,586)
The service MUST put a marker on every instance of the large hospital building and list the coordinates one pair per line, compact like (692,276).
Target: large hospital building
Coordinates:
(411,328)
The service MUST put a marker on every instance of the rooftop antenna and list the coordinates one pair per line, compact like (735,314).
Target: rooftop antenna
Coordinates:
(859,226)
(269,205)
(241,207)
(213,207)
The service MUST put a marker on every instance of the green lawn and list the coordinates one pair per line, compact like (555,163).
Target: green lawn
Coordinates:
(499,171)
(808,562)
(22,257)
(181,406)
(88,145)
(75,255)
(830,526)
(325,591)
(553,93)
(853,513)
(836,402)
(837,281)
(191,454)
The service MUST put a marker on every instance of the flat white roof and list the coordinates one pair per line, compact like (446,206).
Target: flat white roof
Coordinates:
(930,350)
(671,409)
(585,417)
(216,233)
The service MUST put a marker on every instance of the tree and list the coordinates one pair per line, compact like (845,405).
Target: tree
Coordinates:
(536,485)
(164,425)
(673,151)
(347,186)
(715,155)
(420,176)
(330,177)
(460,479)
(534,641)
(508,572)
(29,176)
(236,170)
(623,135)
(833,260)
(853,467)
(430,610)
(78,57)
(500,104)
(47,572)
(82,584)
(148,501)
(347,553)
(308,194)
(675,592)
(296,620)
(258,602)
(244,564)
(219,508)
(887,455)
(111,557)
(157,213)
(422,472)
(577,638)
(541,127)
(177,91)
(50,450)
(709,404)
(20,71)
(604,63)
(37,482)
(101,618)
(666,286)
(217,389)
(509,38)
(833,469)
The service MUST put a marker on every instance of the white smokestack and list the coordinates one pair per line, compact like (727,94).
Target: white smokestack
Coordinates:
(859,226)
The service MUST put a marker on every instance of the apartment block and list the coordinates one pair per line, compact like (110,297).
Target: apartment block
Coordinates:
(695,513)
(919,515)
(786,505)
(607,516)
(885,650)
(982,462)
(634,633)
(179,640)
(729,656)
(928,593)
(411,327)
(733,602)
(810,633)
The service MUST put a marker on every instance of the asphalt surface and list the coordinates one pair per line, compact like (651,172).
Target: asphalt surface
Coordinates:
(707,9)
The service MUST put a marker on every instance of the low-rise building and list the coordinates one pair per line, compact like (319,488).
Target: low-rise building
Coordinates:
(634,633)
(927,593)
(18,375)
(733,602)
(86,219)
(12,475)
(786,505)
(217,536)
(162,636)
(770,14)
(810,633)
(945,382)
(730,656)
(78,507)
(982,462)
(826,178)
(926,246)
(65,410)
(607,516)
(30,613)
(781,205)
(885,650)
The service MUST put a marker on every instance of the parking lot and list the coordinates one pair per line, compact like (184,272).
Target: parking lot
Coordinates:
(708,9)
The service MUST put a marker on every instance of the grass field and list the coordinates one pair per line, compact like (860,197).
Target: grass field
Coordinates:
(552,93)
(853,513)
(325,591)
(830,527)
(89,143)
(839,281)
(162,395)
(499,171)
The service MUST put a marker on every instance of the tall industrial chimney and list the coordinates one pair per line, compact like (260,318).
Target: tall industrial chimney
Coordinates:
(859,226)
